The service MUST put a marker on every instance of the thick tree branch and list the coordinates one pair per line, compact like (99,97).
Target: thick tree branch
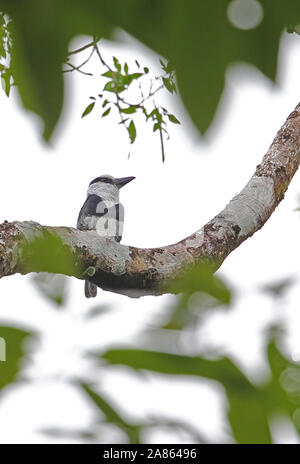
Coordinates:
(136,271)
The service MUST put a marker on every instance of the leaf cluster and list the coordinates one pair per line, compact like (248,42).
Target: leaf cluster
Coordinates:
(115,94)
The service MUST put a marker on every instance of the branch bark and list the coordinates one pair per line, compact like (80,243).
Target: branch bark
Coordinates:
(136,271)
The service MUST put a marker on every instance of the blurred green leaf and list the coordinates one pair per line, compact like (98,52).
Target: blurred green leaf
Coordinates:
(6,81)
(98,310)
(71,434)
(279,288)
(201,277)
(38,52)
(168,84)
(51,286)
(283,388)
(11,345)
(47,253)
(247,412)
(88,109)
(198,290)
(112,416)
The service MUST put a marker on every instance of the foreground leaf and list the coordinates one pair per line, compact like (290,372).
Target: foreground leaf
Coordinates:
(12,350)
(197,38)
(112,416)
(247,412)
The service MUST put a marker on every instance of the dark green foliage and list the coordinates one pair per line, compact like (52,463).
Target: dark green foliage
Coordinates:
(14,340)
(247,412)
(199,40)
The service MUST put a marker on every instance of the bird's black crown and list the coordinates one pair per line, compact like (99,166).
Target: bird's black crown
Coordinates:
(104,179)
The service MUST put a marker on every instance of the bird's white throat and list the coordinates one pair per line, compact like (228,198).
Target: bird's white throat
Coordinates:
(108,191)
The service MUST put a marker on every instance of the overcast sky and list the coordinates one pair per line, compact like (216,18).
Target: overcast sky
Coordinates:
(164,204)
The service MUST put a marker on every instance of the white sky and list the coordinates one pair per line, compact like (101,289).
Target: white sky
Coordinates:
(165,203)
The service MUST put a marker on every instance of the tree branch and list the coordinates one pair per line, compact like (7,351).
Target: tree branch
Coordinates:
(136,271)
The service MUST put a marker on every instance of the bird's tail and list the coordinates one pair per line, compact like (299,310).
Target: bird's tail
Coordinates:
(90,290)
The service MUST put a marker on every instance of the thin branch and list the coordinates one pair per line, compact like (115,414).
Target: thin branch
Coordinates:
(101,58)
(81,49)
(138,271)
(76,68)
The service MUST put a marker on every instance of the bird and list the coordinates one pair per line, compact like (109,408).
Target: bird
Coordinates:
(103,212)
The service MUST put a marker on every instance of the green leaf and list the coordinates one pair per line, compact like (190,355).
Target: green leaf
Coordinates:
(132,131)
(163,65)
(88,109)
(134,76)
(173,119)
(6,81)
(247,412)
(126,68)
(110,87)
(108,74)
(2,51)
(106,112)
(117,64)
(146,70)
(168,84)
(129,110)
(11,353)
(112,416)
(105,103)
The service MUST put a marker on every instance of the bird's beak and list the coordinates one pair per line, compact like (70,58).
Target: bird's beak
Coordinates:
(121,181)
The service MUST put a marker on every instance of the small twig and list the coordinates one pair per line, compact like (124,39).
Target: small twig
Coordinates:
(78,68)
(101,59)
(139,105)
(75,68)
(81,49)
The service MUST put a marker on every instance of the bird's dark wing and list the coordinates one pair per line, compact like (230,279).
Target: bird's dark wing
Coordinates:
(94,206)
(119,210)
